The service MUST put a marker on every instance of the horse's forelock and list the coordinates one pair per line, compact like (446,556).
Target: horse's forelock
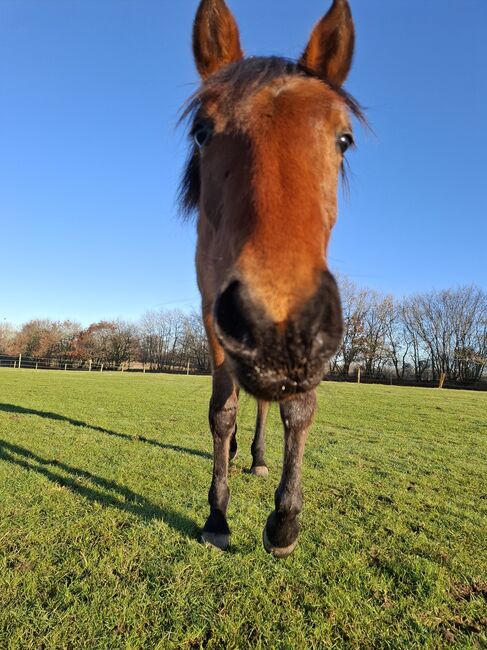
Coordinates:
(230,86)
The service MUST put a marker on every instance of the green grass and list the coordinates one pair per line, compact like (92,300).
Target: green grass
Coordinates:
(103,487)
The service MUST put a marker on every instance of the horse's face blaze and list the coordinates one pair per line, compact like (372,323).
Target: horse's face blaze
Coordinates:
(264,174)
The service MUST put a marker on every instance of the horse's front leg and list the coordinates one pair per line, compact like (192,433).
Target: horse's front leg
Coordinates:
(222,416)
(281,532)
(259,467)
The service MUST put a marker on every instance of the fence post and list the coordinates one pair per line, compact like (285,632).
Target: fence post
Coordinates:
(65,367)
(101,369)
(143,366)
(187,369)
(37,365)
(358,375)
(20,360)
(89,366)
(442,379)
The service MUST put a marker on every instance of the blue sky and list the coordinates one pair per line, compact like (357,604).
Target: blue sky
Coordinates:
(90,154)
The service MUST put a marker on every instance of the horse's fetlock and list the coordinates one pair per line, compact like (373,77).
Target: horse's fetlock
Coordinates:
(289,511)
(217,523)
(288,504)
(282,531)
(219,495)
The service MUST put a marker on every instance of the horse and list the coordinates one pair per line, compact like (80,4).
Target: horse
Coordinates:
(268,139)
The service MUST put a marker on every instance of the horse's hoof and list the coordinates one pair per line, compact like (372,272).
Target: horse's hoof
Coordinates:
(277,552)
(216,540)
(261,470)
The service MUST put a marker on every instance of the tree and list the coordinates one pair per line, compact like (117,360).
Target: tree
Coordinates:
(353,306)
(45,339)
(397,339)
(373,348)
(160,337)
(108,342)
(195,342)
(449,328)
(7,337)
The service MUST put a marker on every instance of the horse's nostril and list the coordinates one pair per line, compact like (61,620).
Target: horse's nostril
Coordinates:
(232,316)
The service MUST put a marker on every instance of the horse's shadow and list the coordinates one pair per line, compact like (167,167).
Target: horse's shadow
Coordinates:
(13,408)
(96,488)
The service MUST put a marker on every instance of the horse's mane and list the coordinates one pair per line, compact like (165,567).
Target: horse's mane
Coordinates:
(232,84)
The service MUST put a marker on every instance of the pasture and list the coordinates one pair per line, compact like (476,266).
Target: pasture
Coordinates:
(103,490)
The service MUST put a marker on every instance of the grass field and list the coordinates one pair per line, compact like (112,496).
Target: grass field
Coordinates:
(103,487)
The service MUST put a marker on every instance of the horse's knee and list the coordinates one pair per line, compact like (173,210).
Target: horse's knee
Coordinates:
(297,414)
(223,417)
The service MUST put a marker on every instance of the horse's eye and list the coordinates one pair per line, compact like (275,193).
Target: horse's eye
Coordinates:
(345,141)
(202,135)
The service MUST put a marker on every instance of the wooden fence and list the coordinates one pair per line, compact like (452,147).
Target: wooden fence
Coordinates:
(190,366)
(186,366)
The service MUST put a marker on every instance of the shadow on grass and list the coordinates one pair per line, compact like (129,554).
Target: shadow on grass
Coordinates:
(126,500)
(13,408)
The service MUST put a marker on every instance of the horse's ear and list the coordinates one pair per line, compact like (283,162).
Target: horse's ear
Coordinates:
(329,52)
(216,41)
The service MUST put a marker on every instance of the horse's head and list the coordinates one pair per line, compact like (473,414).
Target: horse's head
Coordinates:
(269,140)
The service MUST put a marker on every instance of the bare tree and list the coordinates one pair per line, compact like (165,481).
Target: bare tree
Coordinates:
(171,339)
(154,338)
(397,339)
(195,343)
(353,307)
(373,348)
(7,337)
(449,328)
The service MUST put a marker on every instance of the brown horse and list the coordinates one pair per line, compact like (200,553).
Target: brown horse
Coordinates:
(269,136)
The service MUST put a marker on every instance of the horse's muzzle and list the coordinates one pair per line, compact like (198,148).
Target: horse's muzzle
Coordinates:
(273,361)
